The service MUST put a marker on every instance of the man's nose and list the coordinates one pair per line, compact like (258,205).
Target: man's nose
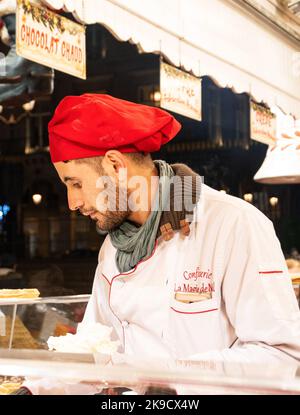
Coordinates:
(75,203)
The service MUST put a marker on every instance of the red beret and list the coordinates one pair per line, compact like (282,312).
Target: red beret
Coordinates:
(91,124)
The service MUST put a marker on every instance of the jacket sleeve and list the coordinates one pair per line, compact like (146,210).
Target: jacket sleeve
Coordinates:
(257,295)
(97,309)
(94,312)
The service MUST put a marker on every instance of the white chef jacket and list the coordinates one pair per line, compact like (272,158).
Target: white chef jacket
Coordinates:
(249,312)
(233,257)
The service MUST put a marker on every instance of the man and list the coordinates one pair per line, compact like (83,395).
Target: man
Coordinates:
(216,287)
(202,280)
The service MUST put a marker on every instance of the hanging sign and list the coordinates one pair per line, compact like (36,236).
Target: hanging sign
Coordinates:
(180,92)
(262,124)
(52,40)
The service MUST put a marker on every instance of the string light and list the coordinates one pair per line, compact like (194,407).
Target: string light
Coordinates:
(273,201)
(28,106)
(248,197)
(37,198)
(155,96)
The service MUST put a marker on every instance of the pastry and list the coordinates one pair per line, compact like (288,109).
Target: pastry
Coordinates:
(19,293)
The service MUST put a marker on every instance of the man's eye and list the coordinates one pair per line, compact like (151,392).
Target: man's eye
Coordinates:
(77,185)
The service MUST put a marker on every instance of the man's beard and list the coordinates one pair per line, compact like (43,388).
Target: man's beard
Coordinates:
(111,220)
(113,216)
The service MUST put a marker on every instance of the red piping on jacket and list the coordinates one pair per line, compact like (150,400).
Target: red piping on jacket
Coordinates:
(25,387)
(193,312)
(271,272)
(134,269)
(125,274)
(105,278)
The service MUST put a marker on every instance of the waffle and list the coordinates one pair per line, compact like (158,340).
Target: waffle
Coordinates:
(19,293)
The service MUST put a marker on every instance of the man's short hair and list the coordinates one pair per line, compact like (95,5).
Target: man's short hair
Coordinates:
(140,159)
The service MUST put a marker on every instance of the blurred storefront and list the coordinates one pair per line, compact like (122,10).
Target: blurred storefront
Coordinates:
(250,54)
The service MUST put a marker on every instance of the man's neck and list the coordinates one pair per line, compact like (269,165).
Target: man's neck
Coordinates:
(140,216)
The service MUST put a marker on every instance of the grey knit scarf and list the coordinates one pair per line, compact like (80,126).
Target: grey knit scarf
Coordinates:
(135,243)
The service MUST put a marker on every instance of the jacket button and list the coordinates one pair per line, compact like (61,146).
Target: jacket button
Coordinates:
(125,324)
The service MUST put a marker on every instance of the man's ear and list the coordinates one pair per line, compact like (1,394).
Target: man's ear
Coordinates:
(113,161)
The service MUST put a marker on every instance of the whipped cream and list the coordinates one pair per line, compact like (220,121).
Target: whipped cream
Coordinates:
(90,338)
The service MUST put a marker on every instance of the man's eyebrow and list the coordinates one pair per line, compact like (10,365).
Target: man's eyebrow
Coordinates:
(68,178)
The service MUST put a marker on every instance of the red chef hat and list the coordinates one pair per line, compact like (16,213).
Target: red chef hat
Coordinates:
(90,124)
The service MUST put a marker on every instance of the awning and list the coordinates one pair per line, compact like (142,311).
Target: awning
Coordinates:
(210,37)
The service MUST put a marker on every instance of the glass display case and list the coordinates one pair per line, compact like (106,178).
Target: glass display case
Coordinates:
(70,372)
(28,323)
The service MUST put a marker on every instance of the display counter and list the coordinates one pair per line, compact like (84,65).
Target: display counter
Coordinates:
(28,323)
(175,377)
